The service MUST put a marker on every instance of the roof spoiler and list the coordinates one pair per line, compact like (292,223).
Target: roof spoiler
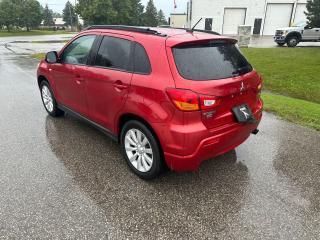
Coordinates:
(194,30)
(197,41)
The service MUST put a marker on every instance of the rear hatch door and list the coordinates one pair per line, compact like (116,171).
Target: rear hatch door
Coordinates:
(216,67)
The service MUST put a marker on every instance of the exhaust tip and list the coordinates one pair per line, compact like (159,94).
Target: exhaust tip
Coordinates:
(255,132)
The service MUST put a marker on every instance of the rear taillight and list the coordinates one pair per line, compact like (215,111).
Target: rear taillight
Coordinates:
(187,100)
(184,100)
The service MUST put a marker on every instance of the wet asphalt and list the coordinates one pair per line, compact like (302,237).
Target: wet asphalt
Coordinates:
(62,179)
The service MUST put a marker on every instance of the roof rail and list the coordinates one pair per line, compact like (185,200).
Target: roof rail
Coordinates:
(194,30)
(145,30)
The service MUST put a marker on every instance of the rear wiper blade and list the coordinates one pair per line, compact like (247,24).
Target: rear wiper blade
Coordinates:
(239,71)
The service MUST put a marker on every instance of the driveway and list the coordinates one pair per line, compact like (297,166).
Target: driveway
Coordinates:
(62,179)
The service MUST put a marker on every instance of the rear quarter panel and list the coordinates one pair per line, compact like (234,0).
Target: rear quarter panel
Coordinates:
(147,97)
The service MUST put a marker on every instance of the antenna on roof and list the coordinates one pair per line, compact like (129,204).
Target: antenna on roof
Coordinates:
(191,30)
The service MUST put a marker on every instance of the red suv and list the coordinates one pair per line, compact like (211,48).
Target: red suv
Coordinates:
(170,97)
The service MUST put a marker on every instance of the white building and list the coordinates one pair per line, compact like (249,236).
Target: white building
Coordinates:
(178,20)
(224,16)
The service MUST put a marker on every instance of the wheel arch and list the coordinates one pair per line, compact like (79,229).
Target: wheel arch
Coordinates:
(42,78)
(130,116)
(295,34)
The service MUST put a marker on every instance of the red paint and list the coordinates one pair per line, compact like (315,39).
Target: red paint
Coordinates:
(186,137)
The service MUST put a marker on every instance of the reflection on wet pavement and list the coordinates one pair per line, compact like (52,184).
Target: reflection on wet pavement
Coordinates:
(60,178)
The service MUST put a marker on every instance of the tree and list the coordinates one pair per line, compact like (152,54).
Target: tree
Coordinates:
(20,13)
(33,17)
(122,9)
(313,13)
(161,18)
(151,15)
(57,15)
(69,15)
(128,12)
(136,13)
(9,13)
(47,16)
(96,11)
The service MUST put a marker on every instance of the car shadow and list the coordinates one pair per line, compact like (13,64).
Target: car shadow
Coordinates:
(207,198)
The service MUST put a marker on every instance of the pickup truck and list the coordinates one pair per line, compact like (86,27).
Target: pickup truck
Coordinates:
(297,33)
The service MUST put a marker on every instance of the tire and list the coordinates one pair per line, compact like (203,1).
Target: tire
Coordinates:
(292,41)
(281,44)
(143,156)
(49,101)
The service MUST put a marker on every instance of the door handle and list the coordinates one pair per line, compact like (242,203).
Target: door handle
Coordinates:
(119,86)
(317,30)
(79,79)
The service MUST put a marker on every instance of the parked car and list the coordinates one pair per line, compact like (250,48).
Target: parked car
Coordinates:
(299,32)
(170,97)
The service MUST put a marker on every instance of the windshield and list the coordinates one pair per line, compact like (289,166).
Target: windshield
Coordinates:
(210,61)
(300,24)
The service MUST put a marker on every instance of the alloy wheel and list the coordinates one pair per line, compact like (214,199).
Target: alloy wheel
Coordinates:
(138,150)
(47,98)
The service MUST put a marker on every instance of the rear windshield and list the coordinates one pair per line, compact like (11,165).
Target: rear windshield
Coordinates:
(210,61)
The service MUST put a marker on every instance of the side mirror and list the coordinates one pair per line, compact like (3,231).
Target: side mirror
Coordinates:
(52,57)
(307,27)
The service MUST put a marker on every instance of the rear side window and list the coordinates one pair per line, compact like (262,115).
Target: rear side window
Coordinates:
(210,61)
(114,53)
(141,60)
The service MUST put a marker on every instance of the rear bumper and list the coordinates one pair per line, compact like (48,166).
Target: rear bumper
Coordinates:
(215,142)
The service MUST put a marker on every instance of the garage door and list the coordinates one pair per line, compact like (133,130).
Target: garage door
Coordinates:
(278,15)
(233,17)
(300,16)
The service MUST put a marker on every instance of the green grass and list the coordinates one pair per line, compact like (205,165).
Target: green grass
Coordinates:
(293,72)
(294,110)
(4,33)
(38,56)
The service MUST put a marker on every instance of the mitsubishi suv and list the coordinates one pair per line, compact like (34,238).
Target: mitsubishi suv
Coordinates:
(300,32)
(171,98)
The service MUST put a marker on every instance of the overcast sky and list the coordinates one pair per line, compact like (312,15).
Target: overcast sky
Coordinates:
(165,5)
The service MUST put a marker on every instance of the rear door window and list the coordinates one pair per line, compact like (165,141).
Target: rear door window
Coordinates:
(114,53)
(210,61)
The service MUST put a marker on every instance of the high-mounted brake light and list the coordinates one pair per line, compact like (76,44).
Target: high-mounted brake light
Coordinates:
(184,100)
